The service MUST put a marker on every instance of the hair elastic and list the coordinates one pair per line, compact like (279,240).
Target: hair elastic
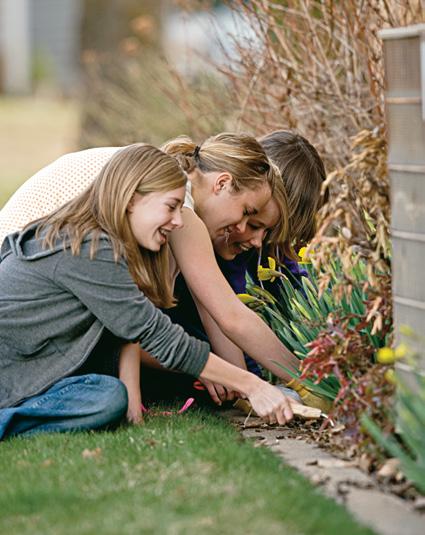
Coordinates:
(196,152)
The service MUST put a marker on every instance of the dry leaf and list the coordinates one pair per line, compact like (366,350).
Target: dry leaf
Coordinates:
(365,462)
(90,454)
(389,469)
(419,504)
(335,463)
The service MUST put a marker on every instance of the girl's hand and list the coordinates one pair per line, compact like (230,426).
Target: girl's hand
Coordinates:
(269,403)
(134,414)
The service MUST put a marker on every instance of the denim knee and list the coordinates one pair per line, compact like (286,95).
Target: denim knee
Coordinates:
(114,400)
(74,403)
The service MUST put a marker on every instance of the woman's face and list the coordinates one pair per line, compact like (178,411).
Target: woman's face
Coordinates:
(153,216)
(253,235)
(225,210)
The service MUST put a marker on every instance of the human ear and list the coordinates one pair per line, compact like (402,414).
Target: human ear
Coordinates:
(222,181)
(130,205)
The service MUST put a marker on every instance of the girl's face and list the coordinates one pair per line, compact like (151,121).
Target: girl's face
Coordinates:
(225,211)
(253,235)
(153,216)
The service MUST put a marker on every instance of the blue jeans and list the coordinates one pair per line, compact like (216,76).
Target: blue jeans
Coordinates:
(72,404)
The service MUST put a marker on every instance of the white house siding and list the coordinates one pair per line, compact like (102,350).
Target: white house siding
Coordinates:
(404,59)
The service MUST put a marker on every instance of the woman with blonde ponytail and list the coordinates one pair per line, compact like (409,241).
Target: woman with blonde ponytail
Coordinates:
(266,234)
(74,290)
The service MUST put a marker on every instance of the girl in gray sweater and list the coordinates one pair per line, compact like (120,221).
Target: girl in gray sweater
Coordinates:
(81,283)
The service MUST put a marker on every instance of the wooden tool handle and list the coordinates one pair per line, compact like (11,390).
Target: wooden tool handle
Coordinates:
(307,413)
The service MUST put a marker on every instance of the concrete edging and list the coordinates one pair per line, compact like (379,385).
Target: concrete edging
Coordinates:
(341,480)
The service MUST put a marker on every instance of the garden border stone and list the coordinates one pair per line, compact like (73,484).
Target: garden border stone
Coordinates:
(341,480)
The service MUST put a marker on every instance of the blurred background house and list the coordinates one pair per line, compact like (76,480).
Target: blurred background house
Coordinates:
(40,42)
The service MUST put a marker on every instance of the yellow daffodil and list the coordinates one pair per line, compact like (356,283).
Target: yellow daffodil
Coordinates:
(401,351)
(386,355)
(267,274)
(272,262)
(249,299)
(405,330)
(302,253)
(390,376)
(270,273)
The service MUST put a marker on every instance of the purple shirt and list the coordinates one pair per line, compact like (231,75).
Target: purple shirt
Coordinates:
(235,270)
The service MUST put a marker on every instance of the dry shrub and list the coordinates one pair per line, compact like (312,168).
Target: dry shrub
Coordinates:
(359,210)
(131,92)
(317,67)
(136,97)
(347,354)
(314,66)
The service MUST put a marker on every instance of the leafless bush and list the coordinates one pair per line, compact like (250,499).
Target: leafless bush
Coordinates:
(131,92)
(316,67)
(141,98)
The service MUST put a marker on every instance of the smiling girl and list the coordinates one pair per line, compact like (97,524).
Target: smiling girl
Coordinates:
(80,283)
(303,174)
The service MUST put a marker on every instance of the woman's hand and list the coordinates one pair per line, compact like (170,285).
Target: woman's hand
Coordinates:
(269,403)
(129,373)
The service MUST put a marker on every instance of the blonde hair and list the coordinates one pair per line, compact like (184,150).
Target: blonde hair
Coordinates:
(240,155)
(102,208)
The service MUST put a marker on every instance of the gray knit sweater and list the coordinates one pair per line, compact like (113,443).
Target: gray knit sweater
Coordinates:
(55,307)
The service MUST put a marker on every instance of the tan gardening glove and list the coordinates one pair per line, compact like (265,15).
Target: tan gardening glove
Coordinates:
(310,398)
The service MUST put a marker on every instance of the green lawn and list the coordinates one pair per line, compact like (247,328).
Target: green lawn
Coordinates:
(177,475)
